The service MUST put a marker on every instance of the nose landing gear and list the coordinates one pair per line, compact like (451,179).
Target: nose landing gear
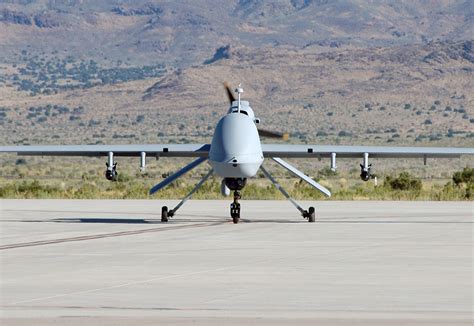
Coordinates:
(235,207)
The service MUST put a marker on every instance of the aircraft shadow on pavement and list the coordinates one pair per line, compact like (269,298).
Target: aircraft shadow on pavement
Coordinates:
(100,220)
(104,220)
(177,220)
(110,220)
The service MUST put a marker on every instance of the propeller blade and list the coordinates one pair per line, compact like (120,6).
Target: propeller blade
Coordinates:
(230,94)
(262,132)
(273,134)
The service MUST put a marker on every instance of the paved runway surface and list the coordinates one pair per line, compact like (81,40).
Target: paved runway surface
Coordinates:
(113,263)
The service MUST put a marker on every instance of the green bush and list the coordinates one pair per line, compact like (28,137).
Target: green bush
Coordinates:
(465,176)
(404,181)
(465,180)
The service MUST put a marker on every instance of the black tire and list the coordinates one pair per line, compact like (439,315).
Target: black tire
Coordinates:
(164,214)
(235,212)
(311,215)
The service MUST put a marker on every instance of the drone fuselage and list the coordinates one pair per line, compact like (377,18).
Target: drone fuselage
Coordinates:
(236,151)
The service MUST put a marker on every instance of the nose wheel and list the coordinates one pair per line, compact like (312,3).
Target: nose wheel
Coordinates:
(235,208)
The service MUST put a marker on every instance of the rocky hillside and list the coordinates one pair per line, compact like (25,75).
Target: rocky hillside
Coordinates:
(184,33)
(76,71)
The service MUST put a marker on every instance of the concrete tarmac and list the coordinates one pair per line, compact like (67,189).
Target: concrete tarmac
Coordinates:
(112,262)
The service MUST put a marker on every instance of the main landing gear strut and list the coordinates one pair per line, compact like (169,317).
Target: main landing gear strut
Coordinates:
(307,214)
(166,214)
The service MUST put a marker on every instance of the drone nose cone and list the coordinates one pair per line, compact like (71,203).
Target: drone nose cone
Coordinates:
(247,169)
(235,136)
(235,148)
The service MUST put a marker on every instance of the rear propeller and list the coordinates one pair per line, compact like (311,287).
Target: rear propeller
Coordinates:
(261,132)
(273,134)
(230,94)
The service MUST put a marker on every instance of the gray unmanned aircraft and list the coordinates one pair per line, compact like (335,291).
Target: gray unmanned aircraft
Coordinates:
(236,154)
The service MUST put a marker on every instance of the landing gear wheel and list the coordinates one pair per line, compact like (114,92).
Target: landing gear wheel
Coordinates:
(235,207)
(235,212)
(311,215)
(164,214)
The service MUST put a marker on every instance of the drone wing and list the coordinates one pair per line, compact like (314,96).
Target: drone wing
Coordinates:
(162,150)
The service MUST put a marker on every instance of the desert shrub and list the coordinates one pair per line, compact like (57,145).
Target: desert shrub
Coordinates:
(86,191)
(124,177)
(20,161)
(30,189)
(465,176)
(435,137)
(344,133)
(135,191)
(404,181)
(448,192)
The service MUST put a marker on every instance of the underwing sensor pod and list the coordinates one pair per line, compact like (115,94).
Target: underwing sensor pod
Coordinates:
(111,173)
(365,167)
(236,155)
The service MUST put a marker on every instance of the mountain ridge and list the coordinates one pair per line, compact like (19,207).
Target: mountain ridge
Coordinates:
(183,34)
